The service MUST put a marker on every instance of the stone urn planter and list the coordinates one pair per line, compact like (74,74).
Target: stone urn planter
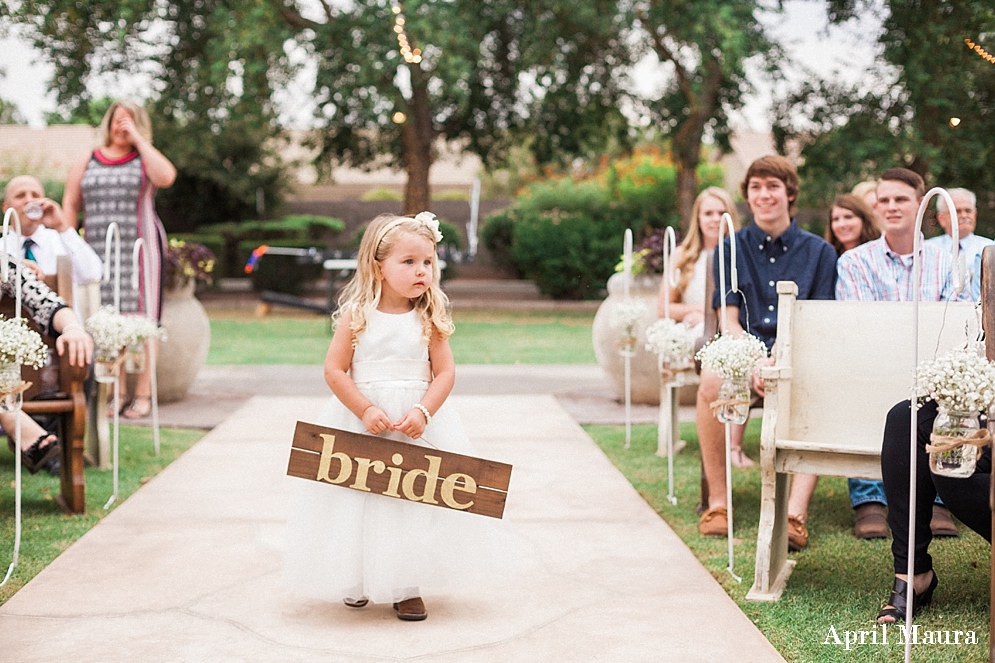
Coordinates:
(188,338)
(645,378)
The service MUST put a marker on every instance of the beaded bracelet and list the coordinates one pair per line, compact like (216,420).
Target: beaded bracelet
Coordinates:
(424,410)
(72,325)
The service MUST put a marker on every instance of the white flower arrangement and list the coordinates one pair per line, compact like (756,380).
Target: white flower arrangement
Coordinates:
(626,316)
(21,345)
(958,380)
(141,329)
(733,356)
(673,341)
(110,330)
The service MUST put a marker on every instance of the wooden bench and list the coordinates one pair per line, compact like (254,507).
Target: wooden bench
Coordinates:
(58,389)
(839,368)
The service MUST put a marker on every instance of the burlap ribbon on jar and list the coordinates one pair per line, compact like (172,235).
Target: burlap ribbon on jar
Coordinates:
(19,389)
(941,443)
(730,402)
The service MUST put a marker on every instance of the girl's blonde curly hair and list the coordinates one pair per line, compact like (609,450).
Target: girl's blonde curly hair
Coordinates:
(362,294)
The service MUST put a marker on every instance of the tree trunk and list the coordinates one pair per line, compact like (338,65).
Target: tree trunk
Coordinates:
(687,152)
(417,135)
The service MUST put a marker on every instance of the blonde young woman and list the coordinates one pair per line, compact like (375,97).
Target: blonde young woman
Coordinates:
(116,183)
(688,299)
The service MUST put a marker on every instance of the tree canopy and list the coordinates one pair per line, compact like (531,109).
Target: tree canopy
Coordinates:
(931,110)
(708,45)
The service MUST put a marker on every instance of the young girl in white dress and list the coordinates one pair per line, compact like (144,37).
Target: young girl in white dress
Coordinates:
(390,369)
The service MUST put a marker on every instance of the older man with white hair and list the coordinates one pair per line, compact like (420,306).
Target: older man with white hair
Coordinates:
(971,245)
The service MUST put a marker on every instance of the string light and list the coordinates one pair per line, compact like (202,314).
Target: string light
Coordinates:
(410,55)
(980,51)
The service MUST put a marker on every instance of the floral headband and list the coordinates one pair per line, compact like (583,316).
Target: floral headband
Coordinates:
(426,219)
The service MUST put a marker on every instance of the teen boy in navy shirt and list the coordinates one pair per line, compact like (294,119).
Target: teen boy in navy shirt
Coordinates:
(771,248)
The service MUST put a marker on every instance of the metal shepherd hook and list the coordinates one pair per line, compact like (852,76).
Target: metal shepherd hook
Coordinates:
(627,358)
(958,278)
(141,270)
(726,224)
(5,275)
(665,425)
(113,237)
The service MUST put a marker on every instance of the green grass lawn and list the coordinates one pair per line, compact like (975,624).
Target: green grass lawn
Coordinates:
(837,581)
(46,532)
(482,337)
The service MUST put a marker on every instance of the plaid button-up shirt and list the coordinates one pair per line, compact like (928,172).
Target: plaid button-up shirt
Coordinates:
(873,272)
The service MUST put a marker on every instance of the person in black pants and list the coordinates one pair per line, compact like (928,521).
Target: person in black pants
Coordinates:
(967,498)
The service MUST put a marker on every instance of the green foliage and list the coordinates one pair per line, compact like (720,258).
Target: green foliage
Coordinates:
(215,65)
(302,229)
(89,113)
(708,43)
(925,76)
(452,194)
(10,114)
(566,235)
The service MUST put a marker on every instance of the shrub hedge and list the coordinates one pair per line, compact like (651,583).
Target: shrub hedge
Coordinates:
(566,234)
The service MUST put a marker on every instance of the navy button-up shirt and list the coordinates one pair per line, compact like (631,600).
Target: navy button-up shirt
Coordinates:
(796,255)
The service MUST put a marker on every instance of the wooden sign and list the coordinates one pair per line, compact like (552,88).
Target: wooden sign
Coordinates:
(397,469)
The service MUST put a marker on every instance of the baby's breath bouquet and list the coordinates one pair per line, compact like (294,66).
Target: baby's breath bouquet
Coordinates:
(958,380)
(674,343)
(735,358)
(140,329)
(19,346)
(111,332)
(626,317)
(962,383)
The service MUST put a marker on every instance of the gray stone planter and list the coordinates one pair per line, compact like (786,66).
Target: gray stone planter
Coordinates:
(645,378)
(188,338)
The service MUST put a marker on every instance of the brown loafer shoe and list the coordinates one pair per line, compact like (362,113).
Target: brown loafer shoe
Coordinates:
(871,521)
(942,523)
(714,522)
(797,534)
(411,610)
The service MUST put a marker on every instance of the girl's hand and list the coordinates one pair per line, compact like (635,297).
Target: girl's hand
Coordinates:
(376,420)
(412,424)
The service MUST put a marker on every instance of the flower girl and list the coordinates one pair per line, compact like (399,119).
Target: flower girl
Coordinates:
(390,369)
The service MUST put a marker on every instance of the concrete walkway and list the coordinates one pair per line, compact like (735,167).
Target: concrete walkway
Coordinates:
(188,569)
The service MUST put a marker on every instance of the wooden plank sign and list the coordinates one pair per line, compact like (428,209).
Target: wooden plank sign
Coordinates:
(397,469)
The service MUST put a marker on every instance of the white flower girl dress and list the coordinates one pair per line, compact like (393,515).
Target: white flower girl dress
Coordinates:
(343,543)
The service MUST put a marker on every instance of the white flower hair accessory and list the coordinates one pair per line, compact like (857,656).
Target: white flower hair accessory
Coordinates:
(428,219)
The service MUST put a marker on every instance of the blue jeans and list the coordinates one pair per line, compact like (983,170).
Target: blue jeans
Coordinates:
(864,491)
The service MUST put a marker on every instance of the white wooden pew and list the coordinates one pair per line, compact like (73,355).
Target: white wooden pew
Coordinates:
(839,367)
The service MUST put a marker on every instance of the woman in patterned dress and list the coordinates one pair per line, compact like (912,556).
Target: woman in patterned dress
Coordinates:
(116,183)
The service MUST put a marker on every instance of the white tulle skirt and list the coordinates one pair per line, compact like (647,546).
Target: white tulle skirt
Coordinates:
(343,543)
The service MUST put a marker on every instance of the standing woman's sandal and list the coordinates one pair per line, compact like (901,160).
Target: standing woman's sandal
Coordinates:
(897,608)
(34,457)
(139,408)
